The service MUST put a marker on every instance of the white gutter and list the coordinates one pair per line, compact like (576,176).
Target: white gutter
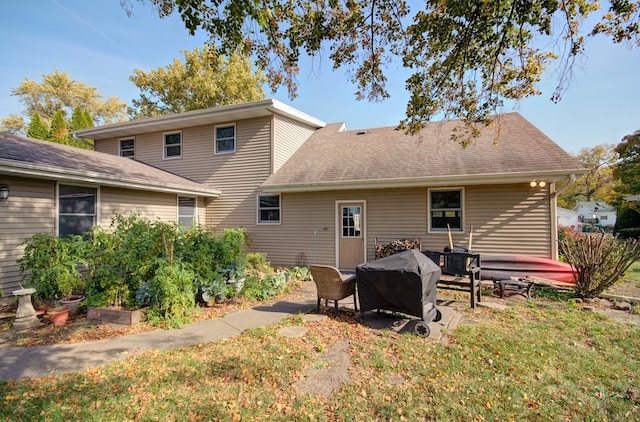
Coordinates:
(53,173)
(572,180)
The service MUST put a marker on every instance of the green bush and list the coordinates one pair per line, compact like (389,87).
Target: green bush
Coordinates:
(51,265)
(172,294)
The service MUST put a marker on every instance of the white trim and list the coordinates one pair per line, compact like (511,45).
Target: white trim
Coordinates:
(462,209)
(164,145)
(127,138)
(338,226)
(215,139)
(268,223)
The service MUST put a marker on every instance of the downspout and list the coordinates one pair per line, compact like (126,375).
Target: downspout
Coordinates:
(553,205)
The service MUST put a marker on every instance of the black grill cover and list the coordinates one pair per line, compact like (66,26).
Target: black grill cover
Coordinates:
(404,282)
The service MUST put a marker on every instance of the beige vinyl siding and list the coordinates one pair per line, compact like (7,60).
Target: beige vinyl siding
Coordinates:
(111,146)
(148,204)
(238,175)
(289,135)
(507,219)
(30,209)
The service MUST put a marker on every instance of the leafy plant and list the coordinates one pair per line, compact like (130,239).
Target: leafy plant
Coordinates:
(172,294)
(599,260)
(51,265)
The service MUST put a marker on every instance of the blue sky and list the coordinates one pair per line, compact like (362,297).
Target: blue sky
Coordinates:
(98,44)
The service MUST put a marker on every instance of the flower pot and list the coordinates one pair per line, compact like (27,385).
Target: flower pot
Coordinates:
(73,303)
(58,315)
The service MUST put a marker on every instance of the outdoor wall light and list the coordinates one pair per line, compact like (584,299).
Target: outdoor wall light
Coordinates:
(535,183)
(4,192)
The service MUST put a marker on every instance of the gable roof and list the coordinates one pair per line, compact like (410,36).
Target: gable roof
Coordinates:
(26,157)
(593,206)
(333,158)
(192,118)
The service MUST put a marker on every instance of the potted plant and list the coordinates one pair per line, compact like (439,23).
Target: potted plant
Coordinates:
(58,315)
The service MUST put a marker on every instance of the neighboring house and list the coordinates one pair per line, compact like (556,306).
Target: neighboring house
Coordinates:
(569,218)
(632,198)
(308,192)
(599,213)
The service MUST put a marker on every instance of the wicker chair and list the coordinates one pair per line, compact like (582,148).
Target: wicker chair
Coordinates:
(332,285)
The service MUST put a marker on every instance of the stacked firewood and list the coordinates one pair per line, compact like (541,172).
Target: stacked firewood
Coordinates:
(396,246)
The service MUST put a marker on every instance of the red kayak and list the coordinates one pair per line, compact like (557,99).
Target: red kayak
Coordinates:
(502,267)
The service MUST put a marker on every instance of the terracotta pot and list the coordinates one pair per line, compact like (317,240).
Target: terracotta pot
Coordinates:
(58,316)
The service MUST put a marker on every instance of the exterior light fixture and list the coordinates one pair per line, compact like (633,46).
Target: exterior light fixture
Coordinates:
(540,183)
(4,192)
(533,183)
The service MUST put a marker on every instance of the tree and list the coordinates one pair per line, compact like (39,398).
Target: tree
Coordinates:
(598,183)
(204,79)
(58,92)
(466,57)
(627,169)
(13,123)
(37,128)
(59,131)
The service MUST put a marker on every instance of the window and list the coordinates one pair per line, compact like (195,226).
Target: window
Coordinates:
(76,209)
(225,139)
(127,148)
(269,209)
(186,211)
(351,221)
(173,145)
(445,209)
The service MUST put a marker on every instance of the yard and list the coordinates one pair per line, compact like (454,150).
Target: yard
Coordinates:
(540,359)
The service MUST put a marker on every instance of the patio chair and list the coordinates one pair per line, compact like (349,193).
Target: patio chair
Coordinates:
(332,285)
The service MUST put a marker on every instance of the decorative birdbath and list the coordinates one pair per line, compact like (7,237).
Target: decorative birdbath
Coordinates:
(25,314)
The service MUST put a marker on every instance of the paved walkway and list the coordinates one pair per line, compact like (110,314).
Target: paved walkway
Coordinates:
(21,362)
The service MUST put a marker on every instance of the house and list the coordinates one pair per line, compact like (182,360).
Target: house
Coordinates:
(594,212)
(306,191)
(569,218)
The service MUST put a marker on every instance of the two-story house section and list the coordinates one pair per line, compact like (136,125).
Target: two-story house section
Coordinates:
(232,148)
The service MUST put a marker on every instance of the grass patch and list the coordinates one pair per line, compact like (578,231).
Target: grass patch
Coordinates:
(540,360)
(633,273)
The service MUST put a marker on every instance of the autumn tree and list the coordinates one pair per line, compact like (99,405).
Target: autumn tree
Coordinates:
(627,169)
(204,79)
(59,92)
(465,58)
(37,128)
(13,123)
(598,183)
(59,130)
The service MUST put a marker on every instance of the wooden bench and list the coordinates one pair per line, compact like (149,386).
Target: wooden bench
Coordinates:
(460,272)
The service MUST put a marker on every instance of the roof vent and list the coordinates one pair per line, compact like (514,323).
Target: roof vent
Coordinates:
(361,132)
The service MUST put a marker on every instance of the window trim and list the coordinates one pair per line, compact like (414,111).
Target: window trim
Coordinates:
(195,210)
(96,215)
(258,209)
(462,209)
(164,145)
(133,149)
(215,139)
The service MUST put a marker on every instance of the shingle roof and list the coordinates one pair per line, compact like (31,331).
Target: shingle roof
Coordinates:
(387,156)
(31,157)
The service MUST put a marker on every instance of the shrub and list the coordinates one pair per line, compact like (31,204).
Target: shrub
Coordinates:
(51,265)
(599,260)
(172,294)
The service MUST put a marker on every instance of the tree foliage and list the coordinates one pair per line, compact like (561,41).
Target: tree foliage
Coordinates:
(37,128)
(59,92)
(627,169)
(205,79)
(466,58)
(13,123)
(598,183)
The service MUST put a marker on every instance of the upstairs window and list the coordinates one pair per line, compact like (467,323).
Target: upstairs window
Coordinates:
(445,210)
(186,211)
(173,145)
(269,209)
(76,209)
(127,147)
(225,139)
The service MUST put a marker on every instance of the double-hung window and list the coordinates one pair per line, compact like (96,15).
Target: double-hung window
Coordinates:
(445,209)
(269,209)
(77,207)
(225,139)
(187,211)
(173,145)
(127,147)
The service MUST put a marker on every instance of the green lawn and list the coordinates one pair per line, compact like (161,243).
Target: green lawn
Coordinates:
(540,360)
